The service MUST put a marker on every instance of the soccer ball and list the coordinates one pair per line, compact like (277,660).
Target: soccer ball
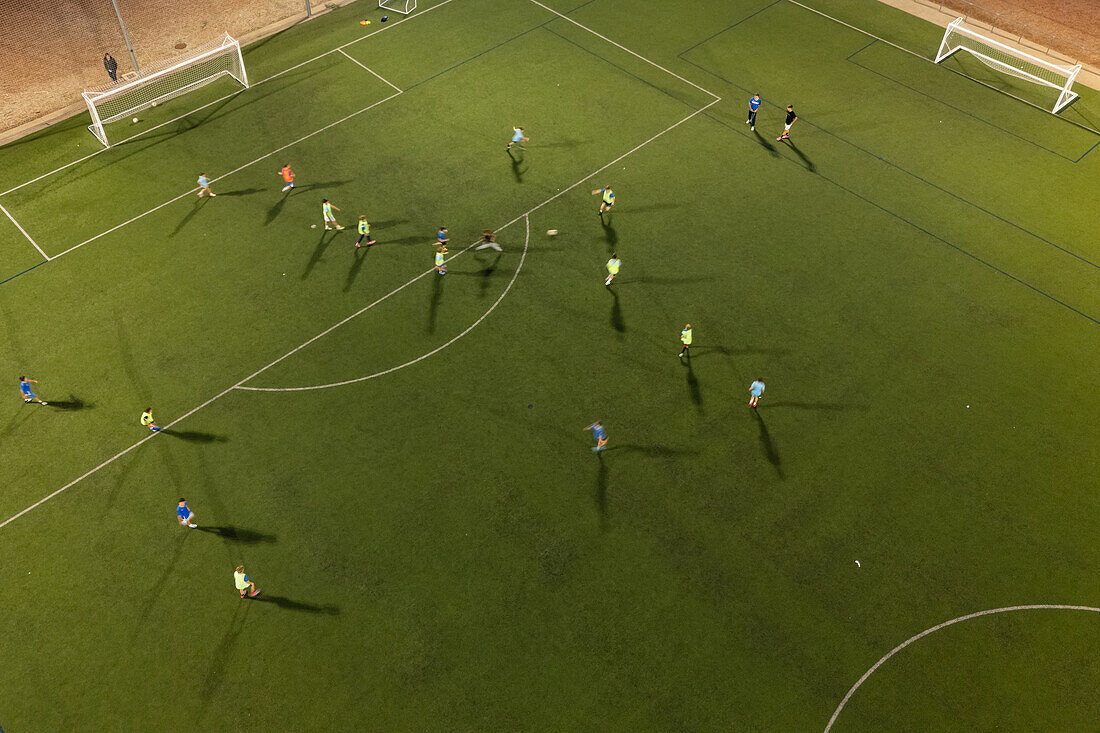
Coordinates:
(551,232)
(312,226)
(154,104)
(135,120)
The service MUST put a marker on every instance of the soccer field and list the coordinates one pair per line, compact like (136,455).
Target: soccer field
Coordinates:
(901,537)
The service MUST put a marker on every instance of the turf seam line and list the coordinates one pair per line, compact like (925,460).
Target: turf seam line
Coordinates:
(624,48)
(235,170)
(422,357)
(932,61)
(926,632)
(276,75)
(24,231)
(359,63)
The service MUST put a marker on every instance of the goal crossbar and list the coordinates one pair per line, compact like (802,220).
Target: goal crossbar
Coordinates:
(1012,61)
(158,80)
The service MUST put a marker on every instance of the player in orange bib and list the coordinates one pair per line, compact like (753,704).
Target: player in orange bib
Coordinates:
(288,177)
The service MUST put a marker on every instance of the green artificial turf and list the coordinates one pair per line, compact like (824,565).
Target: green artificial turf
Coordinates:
(913,276)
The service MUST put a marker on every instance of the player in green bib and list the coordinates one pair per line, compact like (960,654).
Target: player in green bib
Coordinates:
(607,199)
(364,231)
(613,266)
(685,339)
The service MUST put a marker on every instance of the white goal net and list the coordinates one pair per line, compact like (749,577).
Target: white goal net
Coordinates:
(1008,60)
(398,6)
(162,81)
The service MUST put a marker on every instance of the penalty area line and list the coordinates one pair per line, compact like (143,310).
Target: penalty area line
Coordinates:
(24,231)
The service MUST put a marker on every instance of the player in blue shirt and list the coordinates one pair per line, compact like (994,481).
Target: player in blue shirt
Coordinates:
(25,390)
(756,391)
(184,514)
(518,138)
(204,185)
(442,237)
(754,104)
(599,434)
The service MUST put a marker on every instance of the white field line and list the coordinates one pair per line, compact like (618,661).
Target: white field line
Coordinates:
(926,632)
(860,30)
(433,352)
(330,329)
(356,61)
(227,96)
(624,48)
(226,175)
(20,228)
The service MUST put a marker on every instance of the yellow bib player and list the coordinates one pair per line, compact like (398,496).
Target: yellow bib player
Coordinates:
(613,266)
(685,339)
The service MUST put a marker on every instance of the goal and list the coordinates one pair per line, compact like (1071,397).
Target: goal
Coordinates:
(162,81)
(1009,60)
(398,6)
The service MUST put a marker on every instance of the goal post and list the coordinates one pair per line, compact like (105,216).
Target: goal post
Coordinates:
(1008,60)
(398,6)
(162,81)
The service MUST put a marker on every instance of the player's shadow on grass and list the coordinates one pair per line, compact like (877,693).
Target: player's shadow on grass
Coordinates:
(274,211)
(318,254)
(602,480)
(652,207)
(241,192)
(292,605)
(387,223)
(610,235)
(433,304)
(518,168)
(617,321)
(72,404)
(219,657)
(485,275)
(199,204)
(648,280)
(766,442)
(766,144)
(239,534)
(653,451)
(702,351)
(194,436)
(356,266)
(805,161)
(409,240)
(693,383)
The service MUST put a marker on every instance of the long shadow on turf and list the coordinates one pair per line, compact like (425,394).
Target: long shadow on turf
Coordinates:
(356,266)
(291,605)
(610,235)
(189,216)
(219,657)
(766,144)
(702,351)
(617,321)
(805,161)
(151,594)
(274,211)
(239,534)
(318,253)
(647,280)
(768,444)
(654,451)
(241,192)
(693,383)
(323,185)
(194,436)
(433,305)
(602,479)
(517,171)
(72,404)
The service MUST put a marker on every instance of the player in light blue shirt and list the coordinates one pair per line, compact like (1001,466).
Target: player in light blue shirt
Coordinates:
(756,391)
(184,514)
(754,104)
(204,185)
(599,434)
(518,138)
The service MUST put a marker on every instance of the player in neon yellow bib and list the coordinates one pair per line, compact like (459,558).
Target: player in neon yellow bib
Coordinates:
(613,266)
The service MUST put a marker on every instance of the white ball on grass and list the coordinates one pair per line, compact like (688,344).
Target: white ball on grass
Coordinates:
(551,232)
(135,120)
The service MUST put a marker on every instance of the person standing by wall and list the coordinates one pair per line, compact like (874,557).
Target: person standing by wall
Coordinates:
(111,66)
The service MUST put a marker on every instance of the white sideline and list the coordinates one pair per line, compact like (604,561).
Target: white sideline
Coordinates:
(433,352)
(624,48)
(926,632)
(276,75)
(20,228)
